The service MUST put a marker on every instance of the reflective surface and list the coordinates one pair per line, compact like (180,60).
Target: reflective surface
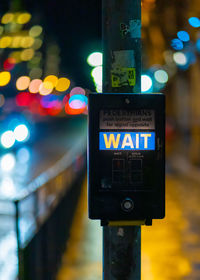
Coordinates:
(170,248)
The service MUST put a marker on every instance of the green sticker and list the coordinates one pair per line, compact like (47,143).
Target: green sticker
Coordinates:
(123,77)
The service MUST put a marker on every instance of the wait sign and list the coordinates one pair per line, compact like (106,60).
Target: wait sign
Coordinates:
(127,140)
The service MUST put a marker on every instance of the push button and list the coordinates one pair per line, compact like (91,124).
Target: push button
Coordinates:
(127,205)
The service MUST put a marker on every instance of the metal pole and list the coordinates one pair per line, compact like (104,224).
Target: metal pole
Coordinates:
(122,74)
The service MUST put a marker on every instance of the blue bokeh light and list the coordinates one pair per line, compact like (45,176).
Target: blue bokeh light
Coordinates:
(177,44)
(183,36)
(194,22)
(78,101)
(198,45)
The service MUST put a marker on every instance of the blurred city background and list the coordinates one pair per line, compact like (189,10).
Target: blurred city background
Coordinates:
(50,59)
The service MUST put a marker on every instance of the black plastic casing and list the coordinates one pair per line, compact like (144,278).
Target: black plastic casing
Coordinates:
(117,176)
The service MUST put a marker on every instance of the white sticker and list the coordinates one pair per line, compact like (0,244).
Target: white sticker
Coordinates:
(127,119)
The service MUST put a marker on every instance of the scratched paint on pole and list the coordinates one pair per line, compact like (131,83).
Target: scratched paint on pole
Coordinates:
(123,71)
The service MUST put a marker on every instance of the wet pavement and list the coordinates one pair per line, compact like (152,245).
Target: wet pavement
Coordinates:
(170,248)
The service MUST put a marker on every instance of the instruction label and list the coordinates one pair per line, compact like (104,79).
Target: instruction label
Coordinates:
(125,119)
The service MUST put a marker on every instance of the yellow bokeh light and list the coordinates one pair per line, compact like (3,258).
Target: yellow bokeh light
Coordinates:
(27,54)
(63,84)
(16,55)
(22,82)
(4,78)
(35,85)
(46,88)
(35,31)
(23,18)
(7,18)
(37,44)
(27,42)
(16,42)
(52,79)
(5,42)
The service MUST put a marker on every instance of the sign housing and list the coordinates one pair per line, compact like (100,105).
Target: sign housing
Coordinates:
(126,150)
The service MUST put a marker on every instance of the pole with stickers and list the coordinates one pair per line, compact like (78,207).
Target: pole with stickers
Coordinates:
(126,145)
(122,73)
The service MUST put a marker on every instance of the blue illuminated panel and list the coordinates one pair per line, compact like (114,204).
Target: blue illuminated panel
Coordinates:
(127,140)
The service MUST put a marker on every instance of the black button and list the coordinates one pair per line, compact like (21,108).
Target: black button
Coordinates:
(127,205)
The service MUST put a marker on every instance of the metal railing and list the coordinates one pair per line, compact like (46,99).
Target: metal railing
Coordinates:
(44,212)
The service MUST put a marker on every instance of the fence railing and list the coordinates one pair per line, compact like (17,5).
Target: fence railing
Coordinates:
(44,212)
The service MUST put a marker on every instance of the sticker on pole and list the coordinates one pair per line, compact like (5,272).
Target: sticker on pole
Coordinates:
(123,71)
(123,77)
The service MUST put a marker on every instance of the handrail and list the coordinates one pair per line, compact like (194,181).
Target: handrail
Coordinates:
(52,172)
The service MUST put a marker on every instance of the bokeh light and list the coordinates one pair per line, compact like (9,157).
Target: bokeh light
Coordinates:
(35,85)
(95,59)
(16,42)
(99,88)
(9,63)
(198,45)
(21,133)
(177,44)
(16,55)
(23,155)
(23,18)
(37,44)
(22,82)
(180,58)
(71,111)
(46,88)
(63,84)
(146,83)
(161,76)
(35,31)
(78,101)
(47,101)
(7,188)
(194,22)
(7,18)
(26,42)
(27,54)
(77,90)
(183,36)
(55,108)
(52,79)
(5,42)
(5,77)
(97,74)
(23,99)
(8,139)
(8,162)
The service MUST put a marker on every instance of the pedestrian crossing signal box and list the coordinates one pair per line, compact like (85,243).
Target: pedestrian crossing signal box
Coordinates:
(126,157)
